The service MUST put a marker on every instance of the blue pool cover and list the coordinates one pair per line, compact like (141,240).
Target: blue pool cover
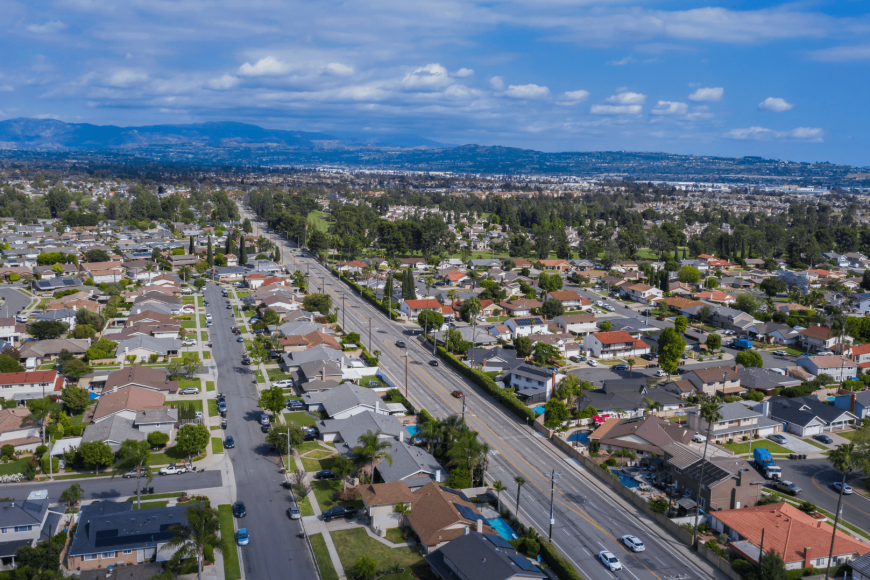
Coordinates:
(581,436)
(539,409)
(412,430)
(503,529)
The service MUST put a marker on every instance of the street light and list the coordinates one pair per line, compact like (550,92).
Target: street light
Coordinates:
(552,477)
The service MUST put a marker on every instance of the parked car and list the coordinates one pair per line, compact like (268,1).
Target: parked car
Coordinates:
(295,404)
(172,470)
(823,439)
(189,391)
(777,438)
(780,352)
(265,428)
(222,407)
(698,438)
(785,486)
(647,356)
(633,543)
(620,367)
(206,302)
(131,473)
(339,512)
(847,490)
(188,342)
(284,383)
(264,419)
(240,339)
(609,560)
(294,513)
(208,316)
(325,474)
(242,538)
(239,509)
(229,442)
(592,363)
(661,373)
(246,361)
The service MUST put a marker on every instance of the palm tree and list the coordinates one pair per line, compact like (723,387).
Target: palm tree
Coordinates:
(134,455)
(201,530)
(185,272)
(844,459)
(652,404)
(342,467)
(430,432)
(499,487)
(709,413)
(370,449)
(451,428)
(72,494)
(520,483)
(631,362)
(466,450)
(403,509)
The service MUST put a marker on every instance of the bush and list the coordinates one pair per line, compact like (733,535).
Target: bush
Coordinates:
(76,430)
(208,553)
(40,451)
(744,569)
(365,567)
(659,505)
(563,569)
(158,438)
(7,451)
(55,464)
(531,547)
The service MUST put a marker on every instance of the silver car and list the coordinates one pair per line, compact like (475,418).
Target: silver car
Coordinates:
(189,391)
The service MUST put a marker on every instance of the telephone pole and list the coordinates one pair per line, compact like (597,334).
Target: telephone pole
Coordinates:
(406,374)
(552,477)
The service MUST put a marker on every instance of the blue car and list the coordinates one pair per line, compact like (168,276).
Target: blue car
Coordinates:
(240,339)
(206,302)
(242,538)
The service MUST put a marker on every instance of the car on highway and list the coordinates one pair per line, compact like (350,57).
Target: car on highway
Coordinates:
(433,362)
(400,343)
(284,383)
(823,439)
(779,352)
(325,474)
(246,361)
(188,342)
(242,537)
(189,391)
(229,442)
(458,394)
(172,470)
(592,363)
(777,438)
(339,512)
(847,490)
(294,513)
(608,559)
(240,339)
(785,486)
(620,367)
(239,509)
(633,543)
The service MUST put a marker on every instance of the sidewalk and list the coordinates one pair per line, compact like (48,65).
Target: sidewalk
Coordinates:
(309,523)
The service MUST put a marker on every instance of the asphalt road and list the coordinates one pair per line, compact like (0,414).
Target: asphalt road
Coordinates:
(13,302)
(814,477)
(103,489)
(275,551)
(588,517)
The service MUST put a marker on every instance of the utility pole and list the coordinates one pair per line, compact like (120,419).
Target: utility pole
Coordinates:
(370,332)
(406,374)
(50,475)
(552,477)
(463,407)
(343,313)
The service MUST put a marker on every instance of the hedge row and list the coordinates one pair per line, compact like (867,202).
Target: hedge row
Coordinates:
(370,297)
(425,416)
(563,569)
(485,382)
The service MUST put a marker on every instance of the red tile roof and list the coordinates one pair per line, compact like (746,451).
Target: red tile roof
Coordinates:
(423,303)
(27,378)
(614,337)
(820,332)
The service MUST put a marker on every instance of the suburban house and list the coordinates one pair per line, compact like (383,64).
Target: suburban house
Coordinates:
(773,332)
(731,319)
(727,483)
(18,429)
(496,359)
(482,557)
(440,514)
(861,353)
(526,326)
(737,421)
(840,368)
(801,540)
(126,402)
(580,324)
(832,418)
(765,380)
(533,384)
(30,385)
(642,293)
(118,427)
(614,344)
(11,331)
(628,398)
(856,403)
(796,418)
(114,534)
(380,499)
(25,523)
(142,347)
(817,339)
(647,436)
(521,307)
(715,296)
(570,299)
(140,376)
(713,380)
(345,401)
(46,350)
(64,315)
(413,308)
(860,568)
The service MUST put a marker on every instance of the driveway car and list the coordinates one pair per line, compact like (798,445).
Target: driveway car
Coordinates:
(633,543)
(786,486)
(325,474)
(823,439)
(189,391)
(592,363)
(188,342)
(242,538)
(229,442)
(172,470)
(295,404)
(284,383)
(239,509)
(339,512)
(846,491)
(609,560)
(778,439)
(293,513)
(780,352)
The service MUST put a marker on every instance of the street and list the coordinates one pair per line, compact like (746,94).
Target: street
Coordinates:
(14,301)
(275,551)
(106,488)
(588,516)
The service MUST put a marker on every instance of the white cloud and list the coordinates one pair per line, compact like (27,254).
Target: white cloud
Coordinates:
(707,95)
(47,28)
(670,108)
(627,98)
(573,97)
(616,109)
(530,91)
(463,72)
(126,77)
(223,83)
(266,66)
(842,53)
(338,69)
(427,78)
(811,134)
(497,83)
(6,88)
(622,62)
(775,105)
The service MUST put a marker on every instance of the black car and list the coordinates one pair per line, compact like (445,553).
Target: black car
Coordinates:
(309,437)
(433,362)
(620,367)
(339,512)
(229,307)
(325,474)
(229,442)
(221,399)
(206,302)
(295,404)
(647,356)
(222,407)
(239,509)
(823,439)
(246,361)
(265,428)
(400,343)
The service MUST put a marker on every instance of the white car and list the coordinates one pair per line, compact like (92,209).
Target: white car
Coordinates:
(609,560)
(780,352)
(188,342)
(633,543)
(592,363)
(21,319)
(172,470)
(698,438)
(599,303)
(661,373)
(284,383)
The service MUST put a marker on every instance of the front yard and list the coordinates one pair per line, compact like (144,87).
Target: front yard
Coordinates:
(742,448)
(351,544)
(323,491)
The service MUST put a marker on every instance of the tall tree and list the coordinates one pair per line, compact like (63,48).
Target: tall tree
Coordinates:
(709,413)
(370,449)
(844,459)
(243,251)
(135,455)
(191,249)
(520,481)
(202,529)
(209,256)
(671,348)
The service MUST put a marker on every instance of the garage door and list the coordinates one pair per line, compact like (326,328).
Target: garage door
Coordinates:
(813,430)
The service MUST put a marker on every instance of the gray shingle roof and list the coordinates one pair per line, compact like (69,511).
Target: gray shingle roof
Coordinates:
(408,461)
(110,526)
(113,431)
(350,429)
(22,513)
(158,345)
(343,398)
(318,353)
(473,556)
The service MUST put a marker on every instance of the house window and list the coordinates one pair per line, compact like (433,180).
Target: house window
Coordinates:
(128,551)
(87,557)
(22,528)
(107,555)
(4,530)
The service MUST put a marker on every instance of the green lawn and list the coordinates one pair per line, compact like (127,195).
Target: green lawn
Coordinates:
(304,505)
(202,323)
(200,302)
(187,300)
(184,383)
(319,454)
(277,375)
(307,446)
(319,219)
(351,544)
(323,491)
(290,462)
(217,445)
(197,403)
(740,448)
(321,554)
(850,435)
(300,418)
(380,384)
(157,496)
(188,324)
(16,466)
(232,571)
(206,355)
(170,455)
(204,335)
(395,535)
(212,408)
(815,444)
(194,355)
(241,295)
(151,504)
(313,465)
(209,386)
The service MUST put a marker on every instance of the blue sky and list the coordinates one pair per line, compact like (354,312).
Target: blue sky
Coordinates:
(728,78)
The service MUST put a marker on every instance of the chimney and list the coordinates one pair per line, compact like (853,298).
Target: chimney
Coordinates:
(402,435)
(852,400)
(807,559)
(765,408)
(377,406)
(437,476)
(466,530)
(479,526)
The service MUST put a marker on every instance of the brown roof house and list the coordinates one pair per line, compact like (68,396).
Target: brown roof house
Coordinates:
(140,376)
(646,436)
(440,514)
(127,402)
(379,499)
(18,429)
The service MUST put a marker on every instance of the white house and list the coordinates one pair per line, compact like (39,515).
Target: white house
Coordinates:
(30,385)
(614,344)
(838,367)
(526,326)
(642,293)
(581,324)
(11,331)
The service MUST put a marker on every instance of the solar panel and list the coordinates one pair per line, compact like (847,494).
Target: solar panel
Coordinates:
(523,564)
(454,492)
(468,514)
(498,541)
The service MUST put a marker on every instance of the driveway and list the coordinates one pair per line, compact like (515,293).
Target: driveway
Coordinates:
(798,446)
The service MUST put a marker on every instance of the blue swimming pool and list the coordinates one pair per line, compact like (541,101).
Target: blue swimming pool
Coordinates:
(539,409)
(412,430)
(831,399)
(581,436)
(626,479)
(503,529)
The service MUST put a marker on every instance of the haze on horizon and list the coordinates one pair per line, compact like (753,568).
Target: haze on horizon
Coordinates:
(735,78)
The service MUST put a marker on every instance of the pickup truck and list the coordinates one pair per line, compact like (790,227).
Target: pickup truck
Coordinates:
(172,470)
(339,512)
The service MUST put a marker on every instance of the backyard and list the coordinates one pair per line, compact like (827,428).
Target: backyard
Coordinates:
(351,544)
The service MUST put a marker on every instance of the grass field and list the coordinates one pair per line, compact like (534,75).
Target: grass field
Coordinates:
(202,322)
(740,448)
(209,385)
(319,219)
(304,506)
(307,446)
(323,491)
(217,445)
(300,418)
(184,383)
(188,324)
(212,408)
(313,465)
(321,554)
(187,300)
(319,454)
(232,571)
(351,544)
(16,466)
